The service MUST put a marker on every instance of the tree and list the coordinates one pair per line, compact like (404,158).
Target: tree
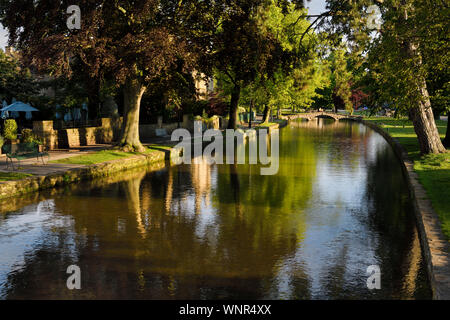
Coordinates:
(247,44)
(271,62)
(397,52)
(15,80)
(340,79)
(133,41)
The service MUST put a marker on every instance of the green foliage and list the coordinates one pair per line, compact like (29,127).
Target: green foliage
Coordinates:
(400,57)
(393,69)
(28,136)
(10,129)
(340,78)
(286,85)
(15,81)
(2,141)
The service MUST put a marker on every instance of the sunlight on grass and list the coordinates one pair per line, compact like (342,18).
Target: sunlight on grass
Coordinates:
(267,124)
(434,174)
(104,156)
(10,176)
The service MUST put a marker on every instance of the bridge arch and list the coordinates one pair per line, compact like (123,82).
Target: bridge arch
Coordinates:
(326,116)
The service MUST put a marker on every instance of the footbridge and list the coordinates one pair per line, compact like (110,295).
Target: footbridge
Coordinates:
(312,115)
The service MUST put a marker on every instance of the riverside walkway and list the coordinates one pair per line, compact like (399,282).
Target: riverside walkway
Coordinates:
(35,167)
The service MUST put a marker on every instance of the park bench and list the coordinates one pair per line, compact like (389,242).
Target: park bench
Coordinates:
(23,151)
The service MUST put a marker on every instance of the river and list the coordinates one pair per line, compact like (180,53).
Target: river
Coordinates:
(338,205)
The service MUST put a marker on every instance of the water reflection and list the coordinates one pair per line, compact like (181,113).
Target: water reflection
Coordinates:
(337,205)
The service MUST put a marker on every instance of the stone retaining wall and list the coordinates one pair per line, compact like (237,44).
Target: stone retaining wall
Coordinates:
(106,133)
(16,188)
(435,246)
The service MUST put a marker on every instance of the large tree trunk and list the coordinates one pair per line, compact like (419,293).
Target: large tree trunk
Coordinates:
(421,112)
(446,141)
(132,92)
(266,114)
(235,95)
(425,125)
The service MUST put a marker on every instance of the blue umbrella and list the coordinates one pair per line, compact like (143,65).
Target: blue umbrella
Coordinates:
(19,107)
(15,108)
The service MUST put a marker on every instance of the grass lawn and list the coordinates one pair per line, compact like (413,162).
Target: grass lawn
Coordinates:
(267,124)
(107,155)
(10,176)
(433,170)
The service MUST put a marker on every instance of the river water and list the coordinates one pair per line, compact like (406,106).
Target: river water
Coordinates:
(338,205)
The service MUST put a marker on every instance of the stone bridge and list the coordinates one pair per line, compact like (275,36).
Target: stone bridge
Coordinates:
(313,115)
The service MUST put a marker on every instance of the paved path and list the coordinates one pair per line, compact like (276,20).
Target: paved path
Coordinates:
(36,167)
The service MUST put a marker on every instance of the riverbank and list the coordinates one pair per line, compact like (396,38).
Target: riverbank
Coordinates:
(424,184)
(66,168)
(79,168)
(433,170)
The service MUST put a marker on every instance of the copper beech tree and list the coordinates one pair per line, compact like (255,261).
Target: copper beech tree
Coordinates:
(132,41)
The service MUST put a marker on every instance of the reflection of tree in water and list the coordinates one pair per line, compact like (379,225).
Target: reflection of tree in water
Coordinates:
(142,237)
(202,232)
(262,220)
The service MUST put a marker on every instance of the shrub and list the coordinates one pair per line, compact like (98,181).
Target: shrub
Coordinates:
(28,136)
(10,130)
(2,142)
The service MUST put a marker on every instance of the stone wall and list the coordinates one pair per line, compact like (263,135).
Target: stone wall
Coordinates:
(44,130)
(435,246)
(108,132)
(69,138)
(147,131)
(156,159)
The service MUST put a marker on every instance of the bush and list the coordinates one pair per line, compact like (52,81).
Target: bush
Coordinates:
(28,136)
(10,130)
(2,142)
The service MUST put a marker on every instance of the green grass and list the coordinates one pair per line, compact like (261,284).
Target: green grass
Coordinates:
(107,155)
(434,174)
(433,170)
(266,124)
(11,176)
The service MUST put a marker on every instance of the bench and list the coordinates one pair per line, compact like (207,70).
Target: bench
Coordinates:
(23,151)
